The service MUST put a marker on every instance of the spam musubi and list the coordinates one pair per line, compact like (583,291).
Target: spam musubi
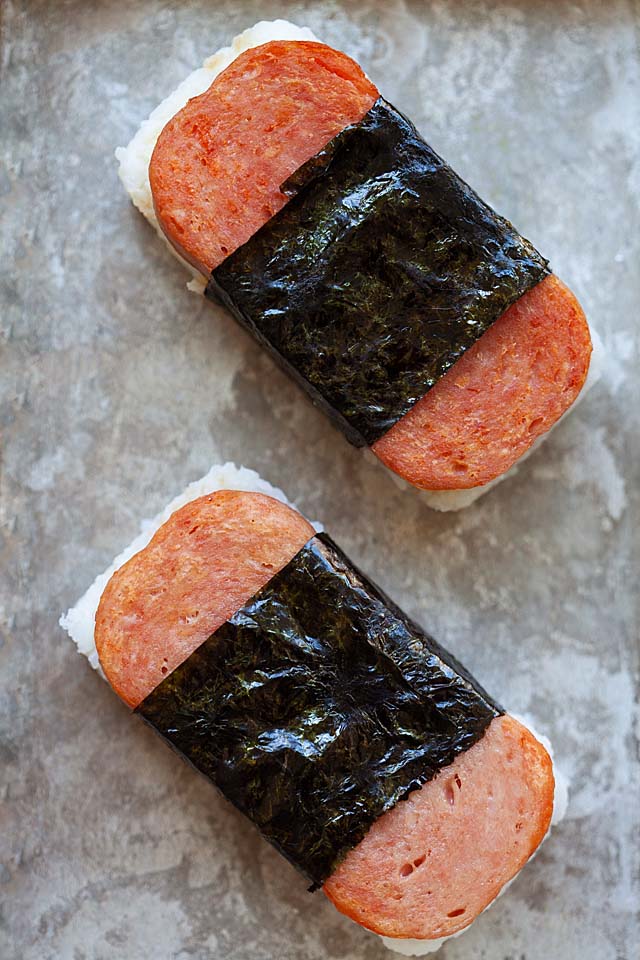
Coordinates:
(362,750)
(420,320)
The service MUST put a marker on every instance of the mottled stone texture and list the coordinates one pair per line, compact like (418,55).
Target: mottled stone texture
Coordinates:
(119,386)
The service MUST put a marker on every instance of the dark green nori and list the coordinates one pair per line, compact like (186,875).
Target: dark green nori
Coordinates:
(318,706)
(377,276)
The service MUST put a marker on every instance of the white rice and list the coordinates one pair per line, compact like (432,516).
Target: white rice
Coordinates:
(134,172)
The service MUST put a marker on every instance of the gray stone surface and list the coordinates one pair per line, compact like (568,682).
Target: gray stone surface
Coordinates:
(119,387)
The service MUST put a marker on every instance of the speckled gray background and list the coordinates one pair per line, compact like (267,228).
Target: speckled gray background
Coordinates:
(119,387)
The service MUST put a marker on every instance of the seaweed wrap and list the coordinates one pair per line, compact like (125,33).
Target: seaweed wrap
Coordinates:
(430,331)
(361,749)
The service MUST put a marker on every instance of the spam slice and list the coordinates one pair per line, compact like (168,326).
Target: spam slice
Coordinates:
(199,568)
(218,165)
(431,864)
(215,177)
(507,390)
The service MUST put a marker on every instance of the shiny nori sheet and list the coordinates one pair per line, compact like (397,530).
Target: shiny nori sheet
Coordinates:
(377,276)
(318,706)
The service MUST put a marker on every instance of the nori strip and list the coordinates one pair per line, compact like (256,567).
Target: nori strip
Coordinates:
(318,706)
(377,276)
